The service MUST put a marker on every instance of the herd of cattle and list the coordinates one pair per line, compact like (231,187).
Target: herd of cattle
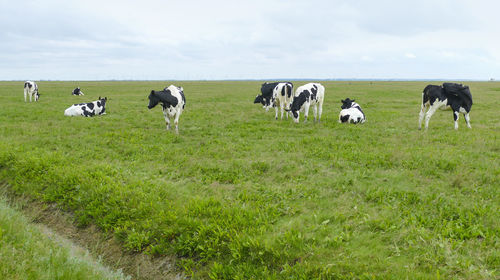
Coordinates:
(172,99)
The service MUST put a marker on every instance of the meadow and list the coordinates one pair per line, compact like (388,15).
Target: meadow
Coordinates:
(239,195)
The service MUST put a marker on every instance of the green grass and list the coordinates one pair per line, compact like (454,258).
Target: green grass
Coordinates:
(238,195)
(27,252)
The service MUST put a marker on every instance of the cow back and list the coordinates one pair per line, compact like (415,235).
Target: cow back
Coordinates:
(458,90)
(167,98)
(267,89)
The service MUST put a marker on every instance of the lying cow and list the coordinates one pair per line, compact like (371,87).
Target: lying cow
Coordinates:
(31,89)
(449,95)
(77,91)
(172,100)
(274,94)
(311,94)
(88,109)
(351,112)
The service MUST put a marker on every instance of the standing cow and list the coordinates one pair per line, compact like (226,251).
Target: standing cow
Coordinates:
(88,109)
(31,89)
(449,95)
(274,94)
(172,100)
(77,91)
(351,112)
(311,94)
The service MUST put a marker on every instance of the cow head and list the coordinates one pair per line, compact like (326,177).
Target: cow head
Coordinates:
(347,103)
(295,116)
(294,113)
(37,96)
(296,105)
(153,100)
(259,99)
(102,102)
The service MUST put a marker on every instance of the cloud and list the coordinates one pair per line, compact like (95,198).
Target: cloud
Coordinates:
(248,39)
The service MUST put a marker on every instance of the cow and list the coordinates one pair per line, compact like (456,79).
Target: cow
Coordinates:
(274,94)
(88,109)
(305,96)
(77,91)
(31,89)
(173,102)
(351,112)
(449,95)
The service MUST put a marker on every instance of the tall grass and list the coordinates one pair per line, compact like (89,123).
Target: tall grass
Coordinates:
(238,195)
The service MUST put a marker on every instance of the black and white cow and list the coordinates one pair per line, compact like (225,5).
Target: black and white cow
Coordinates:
(31,89)
(351,112)
(265,98)
(173,102)
(449,95)
(274,94)
(305,96)
(88,109)
(77,91)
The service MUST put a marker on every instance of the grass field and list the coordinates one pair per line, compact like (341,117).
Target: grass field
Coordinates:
(238,195)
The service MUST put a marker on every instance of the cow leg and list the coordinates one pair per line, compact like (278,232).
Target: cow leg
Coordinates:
(306,111)
(167,119)
(455,117)
(276,112)
(315,111)
(282,108)
(421,116)
(176,121)
(25,100)
(467,119)
(429,114)
(320,112)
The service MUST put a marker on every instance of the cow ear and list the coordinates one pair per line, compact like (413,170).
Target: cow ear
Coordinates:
(99,97)
(342,100)
(352,100)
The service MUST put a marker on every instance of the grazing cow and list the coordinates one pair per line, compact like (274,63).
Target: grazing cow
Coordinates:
(87,109)
(351,112)
(274,94)
(77,91)
(31,89)
(266,95)
(305,96)
(172,100)
(449,95)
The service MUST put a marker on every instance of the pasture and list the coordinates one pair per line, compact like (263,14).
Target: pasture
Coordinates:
(238,195)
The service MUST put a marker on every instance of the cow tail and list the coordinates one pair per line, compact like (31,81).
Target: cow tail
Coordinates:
(288,95)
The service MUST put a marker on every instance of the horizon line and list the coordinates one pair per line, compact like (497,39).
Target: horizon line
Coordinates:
(266,79)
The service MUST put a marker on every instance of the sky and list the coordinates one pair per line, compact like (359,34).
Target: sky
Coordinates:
(257,39)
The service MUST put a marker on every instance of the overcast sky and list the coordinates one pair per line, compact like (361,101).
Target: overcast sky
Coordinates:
(268,39)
